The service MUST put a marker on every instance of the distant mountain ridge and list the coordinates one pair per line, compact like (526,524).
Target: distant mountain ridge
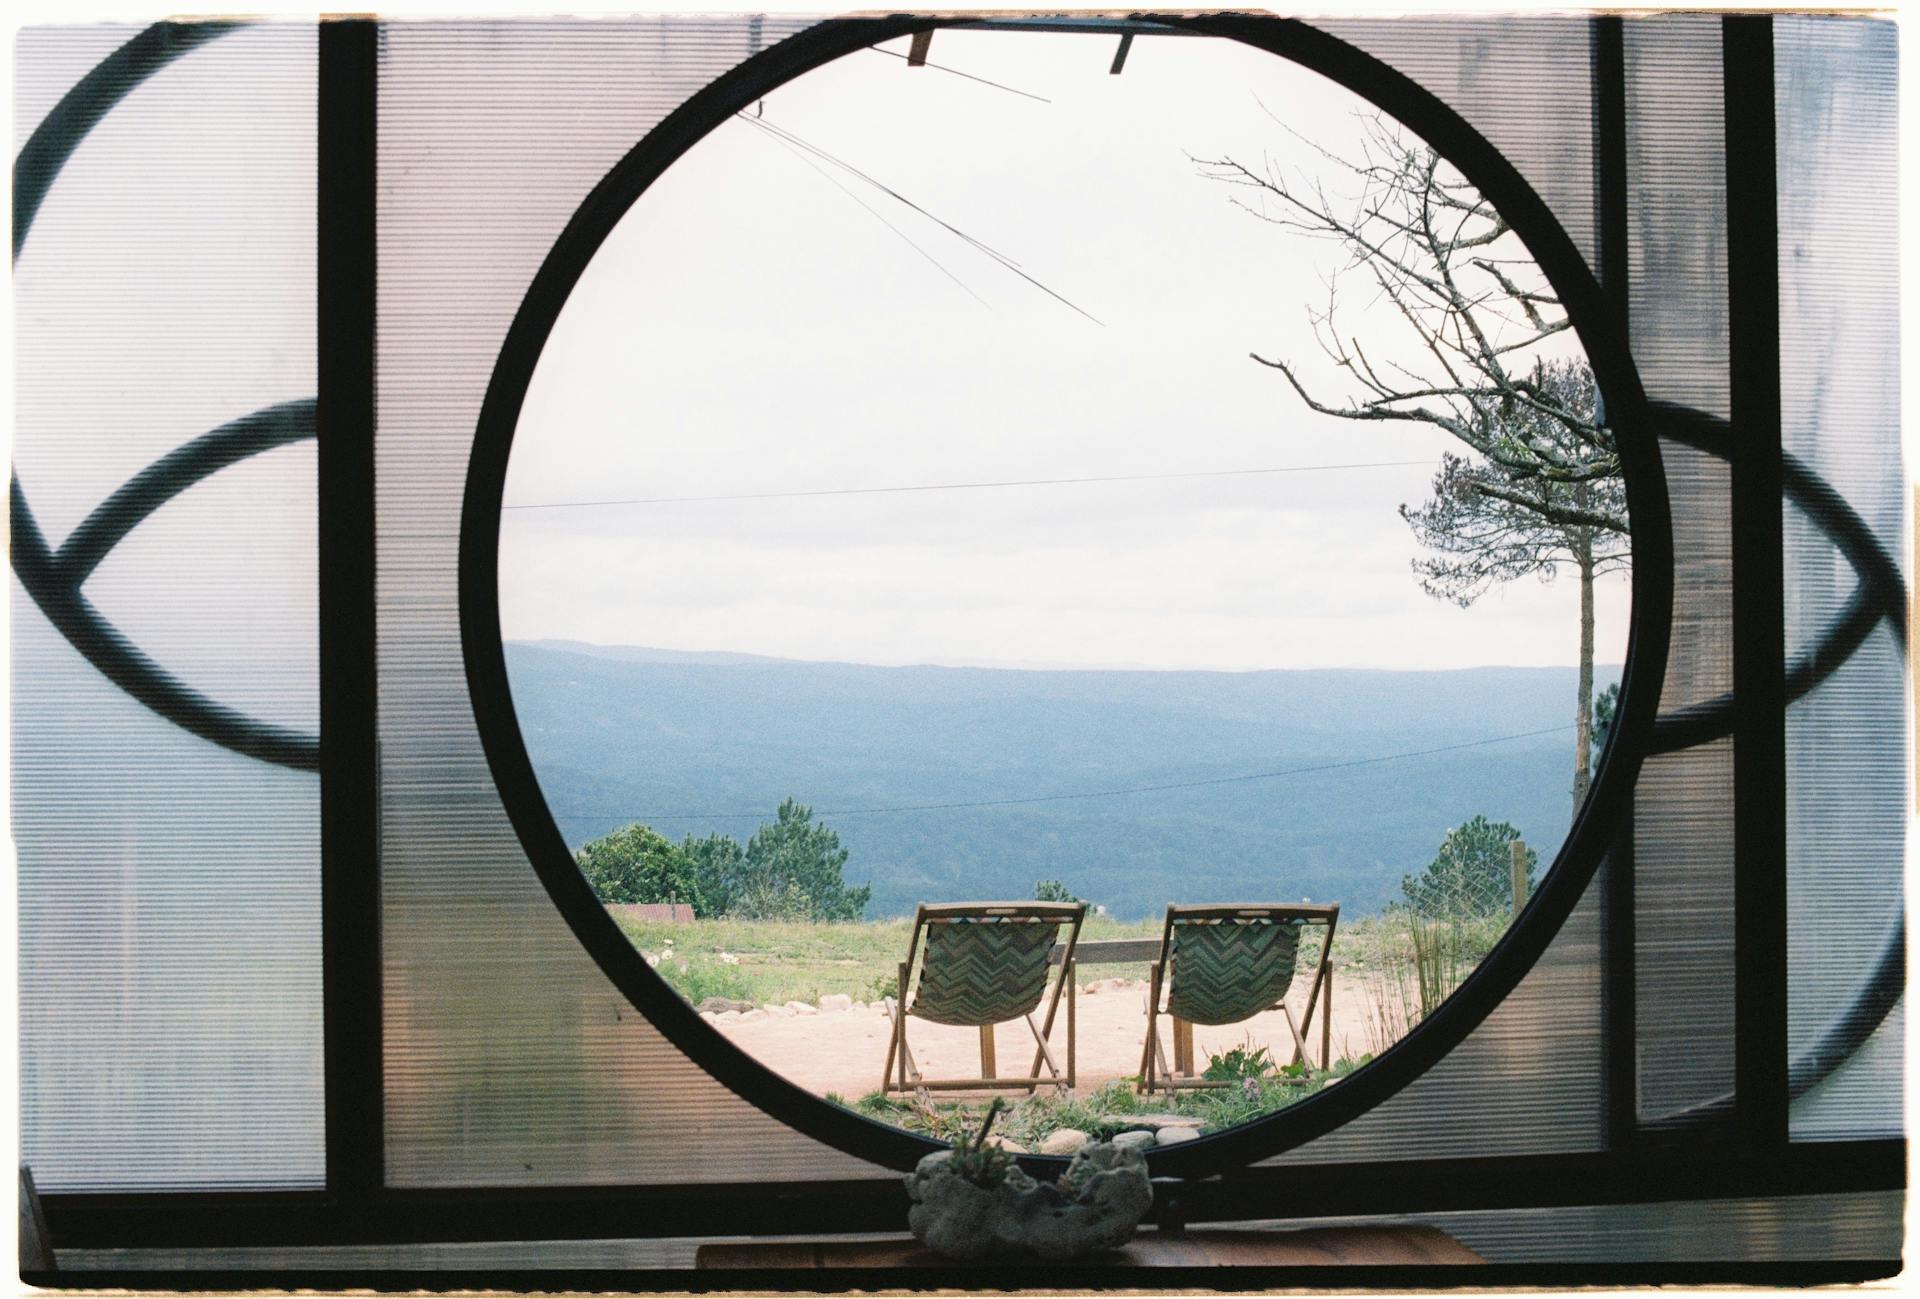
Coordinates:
(1283,795)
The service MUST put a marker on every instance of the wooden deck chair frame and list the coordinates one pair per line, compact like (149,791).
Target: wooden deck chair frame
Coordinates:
(902,1073)
(1155,1071)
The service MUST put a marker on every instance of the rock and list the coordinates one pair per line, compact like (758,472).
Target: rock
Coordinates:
(777,1011)
(836,1001)
(999,1142)
(1064,1141)
(802,1008)
(1139,1139)
(727,1017)
(1154,1121)
(746,1015)
(1174,1136)
(860,1005)
(1094,1206)
(718,1004)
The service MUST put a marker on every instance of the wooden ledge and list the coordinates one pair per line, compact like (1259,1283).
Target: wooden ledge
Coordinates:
(1196,1247)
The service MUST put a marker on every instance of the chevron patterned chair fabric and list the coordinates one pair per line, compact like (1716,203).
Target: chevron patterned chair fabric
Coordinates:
(1232,970)
(1225,964)
(982,972)
(982,964)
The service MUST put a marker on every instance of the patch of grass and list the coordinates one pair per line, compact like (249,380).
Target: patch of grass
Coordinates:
(1102,1114)
(1243,1061)
(779,961)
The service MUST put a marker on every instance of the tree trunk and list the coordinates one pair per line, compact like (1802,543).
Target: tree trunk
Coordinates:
(1583,705)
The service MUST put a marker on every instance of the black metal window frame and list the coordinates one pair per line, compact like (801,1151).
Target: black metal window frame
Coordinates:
(1738,1149)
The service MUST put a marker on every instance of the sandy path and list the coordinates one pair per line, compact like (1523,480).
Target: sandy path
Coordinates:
(843,1051)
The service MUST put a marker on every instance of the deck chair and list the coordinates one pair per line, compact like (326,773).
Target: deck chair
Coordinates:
(1223,964)
(985,963)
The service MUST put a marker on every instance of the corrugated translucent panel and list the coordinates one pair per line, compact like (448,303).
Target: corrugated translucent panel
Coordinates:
(1683,929)
(1836,92)
(1527,1080)
(509,1056)
(434,1257)
(1677,208)
(1523,82)
(1683,811)
(170,1024)
(1788,1229)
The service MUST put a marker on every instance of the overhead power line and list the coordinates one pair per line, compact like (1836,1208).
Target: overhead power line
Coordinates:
(1097,793)
(834,181)
(960,487)
(892,193)
(968,75)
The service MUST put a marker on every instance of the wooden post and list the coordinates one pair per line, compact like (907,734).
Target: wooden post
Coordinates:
(1326,1016)
(1519,850)
(1182,1047)
(986,1051)
(900,1024)
(1071,1044)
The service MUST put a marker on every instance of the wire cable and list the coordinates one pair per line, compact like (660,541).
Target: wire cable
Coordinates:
(1004,260)
(1104,793)
(958,487)
(882,186)
(831,179)
(968,75)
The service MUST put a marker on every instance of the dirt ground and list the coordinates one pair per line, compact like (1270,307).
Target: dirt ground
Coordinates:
(842,1051)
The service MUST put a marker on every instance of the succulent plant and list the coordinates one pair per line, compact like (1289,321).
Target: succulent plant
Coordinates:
(984,1165)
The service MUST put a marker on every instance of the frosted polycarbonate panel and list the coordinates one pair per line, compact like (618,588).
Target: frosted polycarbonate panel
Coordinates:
(509,1056)
(1787,1229)
(1525,83)
(1683,809)
(1836,89)
(1677,208)
(1683,930)
(168,893)
(1526,1081)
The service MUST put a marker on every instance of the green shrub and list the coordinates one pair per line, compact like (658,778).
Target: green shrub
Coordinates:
(636,864)
(1471,875)
(1244,1061)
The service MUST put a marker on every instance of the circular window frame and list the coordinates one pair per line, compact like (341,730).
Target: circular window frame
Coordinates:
(1595,323)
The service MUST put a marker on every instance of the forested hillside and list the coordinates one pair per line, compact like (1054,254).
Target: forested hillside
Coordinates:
(692,743)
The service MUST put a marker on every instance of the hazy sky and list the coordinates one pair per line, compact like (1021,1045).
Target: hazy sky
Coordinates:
(750,328)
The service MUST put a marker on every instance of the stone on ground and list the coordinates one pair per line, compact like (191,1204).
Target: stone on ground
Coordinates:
(1064,1141)
(1003,1143)
(1137,1140)
(1173,1136)
(836,1001)
(718,1004)
(802,1008)
(1155,1121)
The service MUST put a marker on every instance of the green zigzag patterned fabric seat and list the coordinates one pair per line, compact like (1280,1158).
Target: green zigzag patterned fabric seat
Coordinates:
(1224,973)
(983,971)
